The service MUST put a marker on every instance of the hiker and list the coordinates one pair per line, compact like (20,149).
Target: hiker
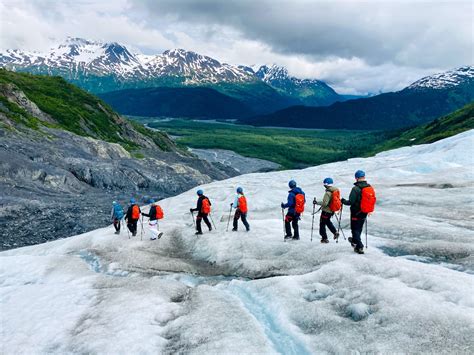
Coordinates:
(295,205)
(240,205)
(331,203)
(155,213)
(116,216)
(362,201)
(132,216)
(203,209)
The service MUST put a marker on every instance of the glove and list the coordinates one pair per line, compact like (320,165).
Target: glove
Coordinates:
(343,200)
(282,205)
(231,204)
(315,202)
(191,210)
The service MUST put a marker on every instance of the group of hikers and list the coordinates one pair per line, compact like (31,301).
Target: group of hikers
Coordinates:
(361,200)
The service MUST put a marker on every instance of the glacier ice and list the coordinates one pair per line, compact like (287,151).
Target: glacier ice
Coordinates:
(244,292)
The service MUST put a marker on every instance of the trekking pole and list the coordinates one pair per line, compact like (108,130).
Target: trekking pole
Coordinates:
(126,227)
(312,222)
(283,218)
(339,223)
(141,233)
(228,221)
(366,243)
(192,215)
(210,215)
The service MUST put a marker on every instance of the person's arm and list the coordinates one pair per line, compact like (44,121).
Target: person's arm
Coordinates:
(127,215)
(198,206)
(326,199)
(352,197)
(236,202)
(112,213)
(290,201)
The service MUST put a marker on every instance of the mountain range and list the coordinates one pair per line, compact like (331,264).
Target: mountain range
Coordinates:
(421,102)
(180,83)
(104,67)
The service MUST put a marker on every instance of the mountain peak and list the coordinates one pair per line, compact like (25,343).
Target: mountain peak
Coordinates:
(445,80)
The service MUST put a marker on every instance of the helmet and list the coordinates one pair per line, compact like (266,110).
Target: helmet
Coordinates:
(292,183)
(114,202)
(359,174)
(200,192)
(328,181)
(152,200)
(132,201)
(240,190)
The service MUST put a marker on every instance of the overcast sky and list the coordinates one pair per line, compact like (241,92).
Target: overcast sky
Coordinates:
(355,46)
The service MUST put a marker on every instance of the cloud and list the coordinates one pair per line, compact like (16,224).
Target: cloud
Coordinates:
(356,46)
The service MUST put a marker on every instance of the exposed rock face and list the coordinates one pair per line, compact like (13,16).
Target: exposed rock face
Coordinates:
(64,185)
(56,184)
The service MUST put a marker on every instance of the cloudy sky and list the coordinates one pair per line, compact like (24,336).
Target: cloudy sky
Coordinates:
(355,46)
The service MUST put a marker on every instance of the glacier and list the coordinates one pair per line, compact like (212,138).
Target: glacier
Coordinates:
(224,292)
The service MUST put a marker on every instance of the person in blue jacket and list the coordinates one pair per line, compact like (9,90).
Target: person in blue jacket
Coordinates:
(292,217)
(116,216)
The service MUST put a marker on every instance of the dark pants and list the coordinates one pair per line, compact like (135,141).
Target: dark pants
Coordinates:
(238,215)
(291,220)
(132,226)
(117,224)
(202,216)
(357,225)
(324,221)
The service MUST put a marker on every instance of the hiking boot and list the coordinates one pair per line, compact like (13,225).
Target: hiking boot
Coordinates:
(117,232)
(350,241)
(287,237)
(359,250)
(325,241)
(248,229)
(160,235)
(296,238)
(134,234)
(210,229)
(152,238)
(198,233)
(336,236)
(234,229)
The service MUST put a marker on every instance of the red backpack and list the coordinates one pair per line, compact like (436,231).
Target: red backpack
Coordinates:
(243,204)
(367,200)
(135,212)
(206,206)
(335,203)
(299,203)
(159,212)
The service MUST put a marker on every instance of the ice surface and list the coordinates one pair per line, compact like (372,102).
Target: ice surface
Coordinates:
(241,292)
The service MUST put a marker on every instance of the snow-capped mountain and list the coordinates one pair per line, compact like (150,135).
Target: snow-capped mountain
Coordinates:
(79,57)
(310,91)
(452,78)
(238,292)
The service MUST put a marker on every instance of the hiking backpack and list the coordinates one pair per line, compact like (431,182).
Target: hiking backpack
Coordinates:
(159,212)
(118,211)
(206,206)
(243,204)
(335,203)
(367,200)
(299,203)
(135,212)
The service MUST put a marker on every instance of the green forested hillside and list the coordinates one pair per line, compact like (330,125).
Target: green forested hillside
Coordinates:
(70,108)
(443,127)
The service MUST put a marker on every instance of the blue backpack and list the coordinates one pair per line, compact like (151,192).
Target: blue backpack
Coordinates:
(118,211)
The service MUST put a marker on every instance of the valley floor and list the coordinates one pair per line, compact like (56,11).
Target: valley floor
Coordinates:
(251,292)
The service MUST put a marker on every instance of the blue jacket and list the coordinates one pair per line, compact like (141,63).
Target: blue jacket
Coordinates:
(290,204)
